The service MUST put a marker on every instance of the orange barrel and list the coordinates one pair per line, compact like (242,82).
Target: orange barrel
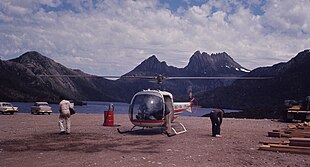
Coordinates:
(109,116)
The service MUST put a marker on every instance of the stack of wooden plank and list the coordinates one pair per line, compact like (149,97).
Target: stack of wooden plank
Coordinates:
(293,145)
(299,130)
(298,142)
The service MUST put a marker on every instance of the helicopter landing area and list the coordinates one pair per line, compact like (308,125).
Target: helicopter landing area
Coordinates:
(33,140)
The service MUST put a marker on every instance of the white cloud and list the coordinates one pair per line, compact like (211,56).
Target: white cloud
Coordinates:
(112,37)
(50,3)
(288,17)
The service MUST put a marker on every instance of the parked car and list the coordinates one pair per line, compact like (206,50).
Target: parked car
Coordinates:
(41,108)
(6,107)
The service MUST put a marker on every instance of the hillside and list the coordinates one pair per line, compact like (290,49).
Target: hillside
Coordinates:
(290,80)
(23,83)
(20,83)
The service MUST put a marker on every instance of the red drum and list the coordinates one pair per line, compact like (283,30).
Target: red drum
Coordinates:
(108,118)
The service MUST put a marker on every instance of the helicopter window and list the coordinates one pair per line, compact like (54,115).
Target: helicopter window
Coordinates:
(147,107)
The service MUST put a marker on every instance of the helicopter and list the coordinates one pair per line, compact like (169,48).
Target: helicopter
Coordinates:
(152,107)
(148,108)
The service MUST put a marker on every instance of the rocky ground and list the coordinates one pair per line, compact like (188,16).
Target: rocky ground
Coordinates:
(33,140)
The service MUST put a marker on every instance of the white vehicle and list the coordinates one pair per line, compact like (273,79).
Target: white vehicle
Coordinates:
(6,107)
(41,108)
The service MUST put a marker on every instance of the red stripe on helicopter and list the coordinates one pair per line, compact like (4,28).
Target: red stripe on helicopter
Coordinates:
(148,121)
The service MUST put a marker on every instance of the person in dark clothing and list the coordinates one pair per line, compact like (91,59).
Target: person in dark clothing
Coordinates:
(216,117)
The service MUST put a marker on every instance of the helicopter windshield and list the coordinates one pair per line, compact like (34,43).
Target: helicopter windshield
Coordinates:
(147,107)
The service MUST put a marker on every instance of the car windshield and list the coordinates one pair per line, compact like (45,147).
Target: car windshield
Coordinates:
(147,107)
(7,105)
(40,104)
(43,104)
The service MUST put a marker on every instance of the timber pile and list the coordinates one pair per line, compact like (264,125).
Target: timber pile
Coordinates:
(299,130)
(294,145)
(298,142)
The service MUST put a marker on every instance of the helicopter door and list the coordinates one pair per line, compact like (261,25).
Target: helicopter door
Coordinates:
(169,117)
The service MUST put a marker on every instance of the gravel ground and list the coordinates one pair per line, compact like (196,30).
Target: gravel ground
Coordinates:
(33,140)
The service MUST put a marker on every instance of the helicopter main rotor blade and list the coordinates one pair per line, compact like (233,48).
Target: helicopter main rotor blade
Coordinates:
(222,78)
(99,76)
(79,76)
(158,78)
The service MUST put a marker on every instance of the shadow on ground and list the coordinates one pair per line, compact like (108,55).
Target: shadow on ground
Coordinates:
(141,131)
(81,142)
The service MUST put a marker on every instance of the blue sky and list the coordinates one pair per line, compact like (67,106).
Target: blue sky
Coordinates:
(111,37)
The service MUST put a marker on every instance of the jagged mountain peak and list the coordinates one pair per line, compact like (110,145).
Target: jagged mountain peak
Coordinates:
(204,63)
(199,54)
(153,60)
(200,64)
(153,57)
(213,58)
(152,66)
(222,55)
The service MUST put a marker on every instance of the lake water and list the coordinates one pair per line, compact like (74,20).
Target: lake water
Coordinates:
(98,107)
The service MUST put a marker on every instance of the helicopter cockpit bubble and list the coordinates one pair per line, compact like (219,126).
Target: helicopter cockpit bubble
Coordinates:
(146,107)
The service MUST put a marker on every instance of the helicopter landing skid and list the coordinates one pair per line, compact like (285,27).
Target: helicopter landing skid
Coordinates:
(183,130)
(121,132)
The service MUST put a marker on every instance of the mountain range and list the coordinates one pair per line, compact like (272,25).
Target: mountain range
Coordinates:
(289,80)
(24,79)
(200,65)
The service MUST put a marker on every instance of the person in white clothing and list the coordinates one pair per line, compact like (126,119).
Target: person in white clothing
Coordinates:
(64,116)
